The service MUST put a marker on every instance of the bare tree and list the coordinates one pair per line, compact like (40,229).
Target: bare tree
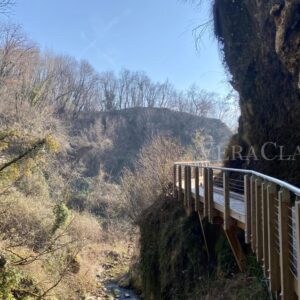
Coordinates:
(227,109)
(14,48)
(199,101)
(109,85)
(6,6)
(152,172)
(66,86)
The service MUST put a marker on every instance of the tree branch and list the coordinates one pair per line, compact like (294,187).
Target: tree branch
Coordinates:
(23,155)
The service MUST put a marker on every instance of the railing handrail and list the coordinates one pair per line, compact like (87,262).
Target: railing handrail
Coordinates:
(277,181)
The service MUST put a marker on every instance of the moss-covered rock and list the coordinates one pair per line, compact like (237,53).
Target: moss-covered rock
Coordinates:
(173,255)
(260,41)
(174,261)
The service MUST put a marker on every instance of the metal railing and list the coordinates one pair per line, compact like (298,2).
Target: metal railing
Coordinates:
(266,208)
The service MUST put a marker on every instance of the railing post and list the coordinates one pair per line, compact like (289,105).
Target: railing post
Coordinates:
(210,195)
(297,232)
(253,214)
(174,180)
(265,228)
(247,196)
(205,170)
(185,186)
(179,183)
(258,209)
(189,190)
(274,270)
(197,195)
(285,273)
(226,201)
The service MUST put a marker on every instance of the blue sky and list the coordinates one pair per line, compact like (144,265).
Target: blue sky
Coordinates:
(155,36)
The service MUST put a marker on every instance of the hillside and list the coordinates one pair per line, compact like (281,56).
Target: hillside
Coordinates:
(88,209)
(130,129)
(55,173)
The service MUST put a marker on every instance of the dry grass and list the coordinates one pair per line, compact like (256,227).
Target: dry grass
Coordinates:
(26,225)
(24,220)
(152,174)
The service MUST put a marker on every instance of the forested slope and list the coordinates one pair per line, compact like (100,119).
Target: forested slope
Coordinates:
(129,130)
(63,145)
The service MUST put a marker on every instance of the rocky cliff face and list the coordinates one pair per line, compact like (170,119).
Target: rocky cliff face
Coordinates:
(261,44)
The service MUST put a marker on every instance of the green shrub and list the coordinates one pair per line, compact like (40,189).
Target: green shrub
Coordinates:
(62,214)
(9,280)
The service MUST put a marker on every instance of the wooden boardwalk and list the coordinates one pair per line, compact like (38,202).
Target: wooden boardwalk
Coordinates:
(265,208)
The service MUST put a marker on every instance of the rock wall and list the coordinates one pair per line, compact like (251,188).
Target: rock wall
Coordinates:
(261,44)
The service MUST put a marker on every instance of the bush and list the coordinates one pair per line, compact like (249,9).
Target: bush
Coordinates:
(85,228)
(152,174)
(25,221)
(61,214)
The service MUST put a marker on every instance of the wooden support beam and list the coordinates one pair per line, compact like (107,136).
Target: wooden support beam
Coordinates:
(247,195)
(265,229)
(210,195)
(286,277)
(204,235)
(205,192)
(226,200)
(197,195)
(297,233)
(274,267)
(179,183)
(236,247)
(258,210)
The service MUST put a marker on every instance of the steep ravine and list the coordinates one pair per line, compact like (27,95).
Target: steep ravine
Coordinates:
(129,130)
